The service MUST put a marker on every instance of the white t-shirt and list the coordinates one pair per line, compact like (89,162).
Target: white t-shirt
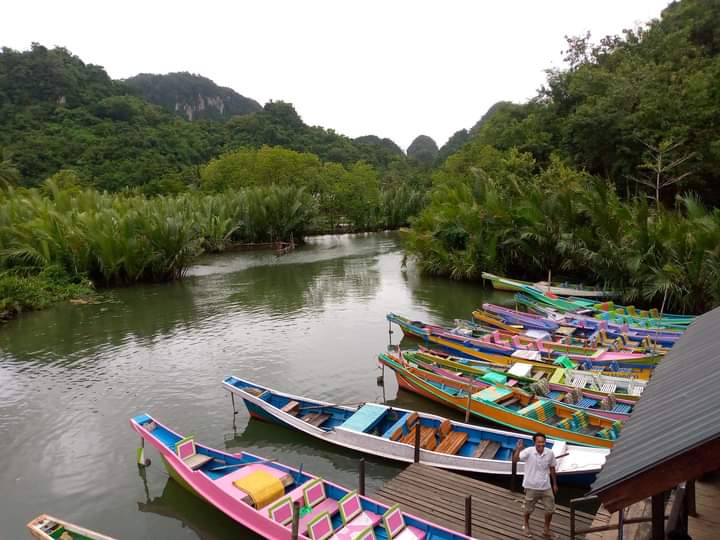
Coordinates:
(537,467)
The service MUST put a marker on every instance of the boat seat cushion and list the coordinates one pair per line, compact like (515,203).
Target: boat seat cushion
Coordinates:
(281,511)
(492,393)
(186,451)
(196,461)
(328,507)
(358,525)
(320,527)
(365,418)
(262,486)
(410,533)
(622,408)
(395,526)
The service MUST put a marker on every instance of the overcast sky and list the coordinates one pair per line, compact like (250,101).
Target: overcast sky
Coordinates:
(392,68)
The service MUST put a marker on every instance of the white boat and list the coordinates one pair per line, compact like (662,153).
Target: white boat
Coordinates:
(46,527)
(389,432)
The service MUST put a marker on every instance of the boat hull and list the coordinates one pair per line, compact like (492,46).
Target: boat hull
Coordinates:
(492,412)
(576,474)
(196,482)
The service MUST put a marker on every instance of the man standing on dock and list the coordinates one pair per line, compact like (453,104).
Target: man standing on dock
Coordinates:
(539,473)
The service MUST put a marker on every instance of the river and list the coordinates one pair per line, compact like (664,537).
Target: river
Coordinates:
(311,322)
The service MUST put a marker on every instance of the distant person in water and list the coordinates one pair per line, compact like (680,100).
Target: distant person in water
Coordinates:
(539,481)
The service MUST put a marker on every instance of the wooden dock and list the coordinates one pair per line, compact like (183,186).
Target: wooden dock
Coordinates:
(497,512)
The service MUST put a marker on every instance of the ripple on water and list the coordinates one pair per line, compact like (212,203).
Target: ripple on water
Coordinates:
(310,323)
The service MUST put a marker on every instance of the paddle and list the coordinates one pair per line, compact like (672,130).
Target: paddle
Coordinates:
(259,462)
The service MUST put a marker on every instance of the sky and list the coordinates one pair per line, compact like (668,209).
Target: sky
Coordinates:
(392,68)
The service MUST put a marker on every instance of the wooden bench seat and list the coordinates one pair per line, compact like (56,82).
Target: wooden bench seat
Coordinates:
(292,407)
(486,449)
(452,443)
(315,419)
(509,402)
(427,437)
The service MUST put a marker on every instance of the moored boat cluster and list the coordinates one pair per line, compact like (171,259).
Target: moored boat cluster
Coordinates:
(570,368)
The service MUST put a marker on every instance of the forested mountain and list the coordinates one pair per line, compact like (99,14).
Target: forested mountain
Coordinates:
(454,143)
(627,101)
(59,113)
(192,96)
(423,150)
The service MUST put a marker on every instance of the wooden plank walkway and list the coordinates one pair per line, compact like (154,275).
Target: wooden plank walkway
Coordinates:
(439,495)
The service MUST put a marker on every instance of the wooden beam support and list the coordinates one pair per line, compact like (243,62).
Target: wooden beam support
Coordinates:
(658,516)
(663,477)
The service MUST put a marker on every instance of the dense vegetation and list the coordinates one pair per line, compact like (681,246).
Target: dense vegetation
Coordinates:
(59,113)
(607,175)
(56,238)
(496,210)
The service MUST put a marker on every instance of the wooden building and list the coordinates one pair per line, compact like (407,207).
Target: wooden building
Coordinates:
(673,436)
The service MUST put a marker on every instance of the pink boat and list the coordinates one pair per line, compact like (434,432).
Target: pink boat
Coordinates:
(264,496)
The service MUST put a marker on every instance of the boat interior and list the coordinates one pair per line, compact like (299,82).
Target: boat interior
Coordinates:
(326,510)
(521,403)
(525,378)
(438,435)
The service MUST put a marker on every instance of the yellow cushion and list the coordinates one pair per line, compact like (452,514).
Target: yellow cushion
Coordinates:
(262,487)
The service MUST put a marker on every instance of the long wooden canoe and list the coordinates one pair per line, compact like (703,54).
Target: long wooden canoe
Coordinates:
(389,432)
(45,527)
(559,289)
(259,493)
(510,407)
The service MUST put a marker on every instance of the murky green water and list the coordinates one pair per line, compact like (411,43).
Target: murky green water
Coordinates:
(311,323)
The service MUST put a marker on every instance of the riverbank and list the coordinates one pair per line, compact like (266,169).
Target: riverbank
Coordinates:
(22,293)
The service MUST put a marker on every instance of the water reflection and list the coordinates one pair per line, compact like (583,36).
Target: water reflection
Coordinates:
(207,522)
(311,323)
(460,298)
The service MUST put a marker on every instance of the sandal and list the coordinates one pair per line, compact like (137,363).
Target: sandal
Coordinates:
(551,536)
(527,532)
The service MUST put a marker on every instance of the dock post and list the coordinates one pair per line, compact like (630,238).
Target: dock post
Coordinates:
(513,477)
(469,403)
(295,520)
(468,515)
(232,398)
(416,458)
(361,480)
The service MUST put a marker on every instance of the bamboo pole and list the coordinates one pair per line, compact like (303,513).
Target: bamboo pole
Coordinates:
(469,402)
